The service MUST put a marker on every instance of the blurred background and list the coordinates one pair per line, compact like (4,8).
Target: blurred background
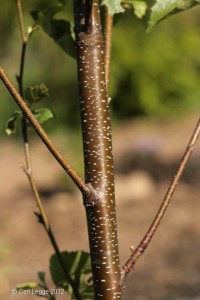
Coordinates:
(155,104)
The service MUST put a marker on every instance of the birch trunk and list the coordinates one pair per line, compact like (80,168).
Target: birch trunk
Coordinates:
(98,157)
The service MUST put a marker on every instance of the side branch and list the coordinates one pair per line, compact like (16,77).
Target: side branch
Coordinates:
(21,22)
(40,131)
(42,218)
(108,42)
(129,265)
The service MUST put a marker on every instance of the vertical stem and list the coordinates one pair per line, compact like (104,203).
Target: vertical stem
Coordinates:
(28,169)
(108,41)
(20,77)
(21,21)
(98,158)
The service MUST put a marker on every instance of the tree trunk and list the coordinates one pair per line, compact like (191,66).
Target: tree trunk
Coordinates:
(98,158)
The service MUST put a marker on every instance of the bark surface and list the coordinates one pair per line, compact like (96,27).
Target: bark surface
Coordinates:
(98,157)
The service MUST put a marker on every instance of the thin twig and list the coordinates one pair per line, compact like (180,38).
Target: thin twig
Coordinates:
(108,42)
(19,78)
(42,215)
(129,265)
(24,44)
(28,172)
(21,21)
(28,169)
(84,188)
(44,221)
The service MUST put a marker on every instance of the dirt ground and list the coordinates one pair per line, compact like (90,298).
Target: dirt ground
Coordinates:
(146,155)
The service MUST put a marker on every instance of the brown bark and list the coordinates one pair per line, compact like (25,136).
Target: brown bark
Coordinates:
(97,142)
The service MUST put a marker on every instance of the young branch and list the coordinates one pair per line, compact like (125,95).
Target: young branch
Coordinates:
(129,265)
(28,168)
(97,144)
(84,188)
(24,44)
(21,21)
(42,217)
(108,43)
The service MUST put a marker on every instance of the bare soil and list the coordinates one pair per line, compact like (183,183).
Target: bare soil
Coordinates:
(146,156)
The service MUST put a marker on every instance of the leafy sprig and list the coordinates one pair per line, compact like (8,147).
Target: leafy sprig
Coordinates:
(79,265)
(164,8)
(33,95)
(60,30)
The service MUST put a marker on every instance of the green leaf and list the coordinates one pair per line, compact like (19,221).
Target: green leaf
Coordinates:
(139,7)
(39,16)
(41,276)
(36,93)
(27,285)
(162,8)
(78,265)
(43,114)
(59,30)
(12,122)
(114,6)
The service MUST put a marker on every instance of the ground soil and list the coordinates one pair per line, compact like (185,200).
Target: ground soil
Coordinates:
(146,156)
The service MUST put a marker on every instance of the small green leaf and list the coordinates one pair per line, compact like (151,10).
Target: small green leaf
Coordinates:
(12,122)
(43,114)
(39,16)
(27,285)
(114,6)
(162,8)
(139,7)
(78,265)
(41,276)
(59,30)
(36,93)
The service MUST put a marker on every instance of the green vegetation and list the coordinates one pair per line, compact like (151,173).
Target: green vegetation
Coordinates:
(157,74)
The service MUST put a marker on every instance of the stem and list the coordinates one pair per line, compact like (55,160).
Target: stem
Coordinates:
(21,21)
(108,43)
(84,188)
(129,265)
(20,77)
(42,215)
(44,221)
(98,159)
(24,44)
(28,169)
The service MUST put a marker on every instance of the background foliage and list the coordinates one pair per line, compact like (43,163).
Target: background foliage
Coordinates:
(152,74)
